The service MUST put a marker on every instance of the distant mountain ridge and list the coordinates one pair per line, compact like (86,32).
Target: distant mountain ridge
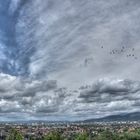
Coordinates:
(122,117)
(135,116)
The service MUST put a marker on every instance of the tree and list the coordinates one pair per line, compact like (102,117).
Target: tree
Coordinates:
(82,136)
(14,135)
(107,135)
(131,136)
(53,136)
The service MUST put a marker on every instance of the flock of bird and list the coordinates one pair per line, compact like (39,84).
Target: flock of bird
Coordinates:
(131,53)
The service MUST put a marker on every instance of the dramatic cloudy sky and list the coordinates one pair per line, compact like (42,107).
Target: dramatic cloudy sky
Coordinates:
(69,59)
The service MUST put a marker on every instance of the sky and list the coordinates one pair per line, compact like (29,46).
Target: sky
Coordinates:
(69,59)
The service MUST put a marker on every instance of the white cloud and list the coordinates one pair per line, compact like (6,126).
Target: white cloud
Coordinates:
(54,48)
(32,97)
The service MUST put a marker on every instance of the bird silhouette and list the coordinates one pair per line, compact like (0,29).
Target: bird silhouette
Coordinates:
(133,49)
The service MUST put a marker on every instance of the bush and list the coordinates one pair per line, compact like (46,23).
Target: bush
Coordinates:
(14,135)
(53,136)
(82,136)
(131,136)
(107,135)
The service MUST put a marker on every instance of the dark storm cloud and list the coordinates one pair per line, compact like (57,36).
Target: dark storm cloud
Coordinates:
(40,86)
(116,87)
(108,90)
(108,96)
(47,109)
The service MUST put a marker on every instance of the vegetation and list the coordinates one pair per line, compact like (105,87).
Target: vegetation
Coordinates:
(53,136)
(104,135)
(82,136)
(14,135)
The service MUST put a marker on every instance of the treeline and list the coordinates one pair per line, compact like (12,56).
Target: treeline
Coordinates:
(104,135)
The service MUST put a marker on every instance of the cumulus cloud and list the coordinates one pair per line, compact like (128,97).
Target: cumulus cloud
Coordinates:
(33,97)
(111,87)
(111,96)
(17,94)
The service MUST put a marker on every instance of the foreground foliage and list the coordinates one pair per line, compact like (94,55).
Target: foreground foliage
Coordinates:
(53,136)
(104,135)
(14,135)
